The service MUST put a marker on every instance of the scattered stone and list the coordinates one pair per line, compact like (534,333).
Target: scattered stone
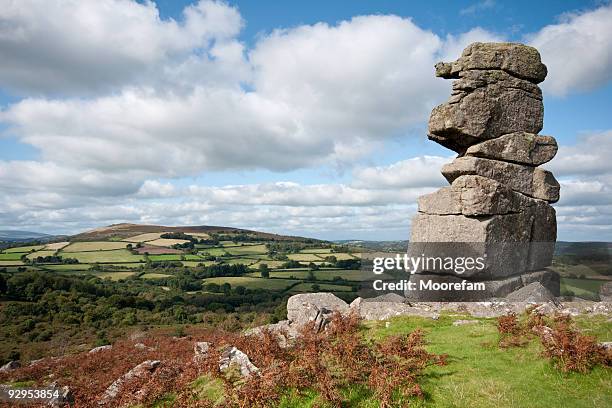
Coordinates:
(518,147)
(101,348)
(10,366)
(200,349)
(464,322)
(64,398)
(142,370)
(234,357)
(532,293)
(606,345)
(544,332)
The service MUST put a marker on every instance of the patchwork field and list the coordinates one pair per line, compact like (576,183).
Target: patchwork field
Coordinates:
(24,249)
(42,253)
(144,237)
(107,256)
(94,246)
(12,256)
(56,246)
(163,242)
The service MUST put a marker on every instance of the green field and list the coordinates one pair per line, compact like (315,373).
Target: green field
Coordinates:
(4,262)
(13,256)
(322,251)
(110,256)
(304,257)
(248,250)
(239,261)
(66,267)
(587,288)
(253,283)
(214,251)
(94,246)
(24,248)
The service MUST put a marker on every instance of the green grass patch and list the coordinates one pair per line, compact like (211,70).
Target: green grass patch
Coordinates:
(248,250)
(586,288)
(304,257)
(118,255)
(43,253)
(324,251)
(13,256)
(73,267)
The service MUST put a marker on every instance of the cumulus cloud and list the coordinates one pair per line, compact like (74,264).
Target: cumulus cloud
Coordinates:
(55,46)
(589,156)
(421,171)
(577,51)
(317,94)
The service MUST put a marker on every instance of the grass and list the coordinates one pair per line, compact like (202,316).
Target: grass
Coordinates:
(4,262)
(248,250)
(239,261)
(12,256)
(214,251)
(23,249)
(304,257)
(118,255)
(478,374)
(165,257)
(94,246)
(582,287)
(324,251)
(253,283)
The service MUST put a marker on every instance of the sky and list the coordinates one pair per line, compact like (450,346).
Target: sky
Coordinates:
(300,118)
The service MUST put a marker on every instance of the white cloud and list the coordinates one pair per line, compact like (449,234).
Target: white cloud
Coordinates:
(421,171)
(477,7)
(589,156)
(577,51)
(91,45)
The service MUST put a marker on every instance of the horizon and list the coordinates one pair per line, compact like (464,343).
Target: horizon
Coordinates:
(138,123)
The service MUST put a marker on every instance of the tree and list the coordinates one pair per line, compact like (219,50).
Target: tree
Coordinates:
(264,270)
(315,287)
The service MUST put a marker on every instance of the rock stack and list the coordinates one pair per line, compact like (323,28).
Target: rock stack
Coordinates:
(497,206)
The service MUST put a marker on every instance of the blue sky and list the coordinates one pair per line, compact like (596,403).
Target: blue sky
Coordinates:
(303,118)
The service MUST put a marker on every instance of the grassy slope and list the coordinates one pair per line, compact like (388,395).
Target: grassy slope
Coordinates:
(479,374)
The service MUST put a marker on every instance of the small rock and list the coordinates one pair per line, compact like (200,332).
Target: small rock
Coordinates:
(101,348)
(144,369)
(532,293)
(464,322)
(200,350)
(233,356)
(65,397)
(10,366)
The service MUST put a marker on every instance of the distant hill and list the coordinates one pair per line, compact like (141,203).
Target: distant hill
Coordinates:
(23,236)
(126,230)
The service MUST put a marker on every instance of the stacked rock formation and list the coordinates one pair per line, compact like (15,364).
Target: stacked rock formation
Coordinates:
(498,203)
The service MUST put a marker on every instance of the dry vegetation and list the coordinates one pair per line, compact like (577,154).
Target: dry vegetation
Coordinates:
(562,342)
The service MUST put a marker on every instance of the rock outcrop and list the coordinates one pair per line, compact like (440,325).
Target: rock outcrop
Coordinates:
(143,370)
(497,207)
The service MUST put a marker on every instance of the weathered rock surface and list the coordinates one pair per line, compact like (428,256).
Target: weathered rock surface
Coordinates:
(232,357)
(532,293)
(387,297)
(474,195)
(528,180)
(519,60)
(547,278)
(518,147)
(372,309)
(502,240)
(142,370)
(308,307)
(284,331)
(494,288)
